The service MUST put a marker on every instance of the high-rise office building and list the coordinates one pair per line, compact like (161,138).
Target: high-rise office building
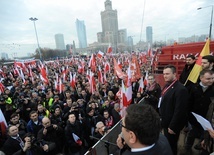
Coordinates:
(59,39)
(110,33)
(4,56)
(149,35)
(81,33)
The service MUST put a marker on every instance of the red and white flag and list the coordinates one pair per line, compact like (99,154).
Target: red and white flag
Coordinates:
(92,63)
(3,123)
(92,83)
(72,80)
(2,87)
(100,54)
(141,87)
(118,71)
(100,76)
(109,50)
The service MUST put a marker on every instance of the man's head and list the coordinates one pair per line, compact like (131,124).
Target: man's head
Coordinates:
(46,122)
(106,114)
(141,126)
(206,77)
(117,107)
(13,131)
(33,116)
(169,73)
(190,59)
(207,62)
(14,118)
(40,108)
(72,118)
(100,127)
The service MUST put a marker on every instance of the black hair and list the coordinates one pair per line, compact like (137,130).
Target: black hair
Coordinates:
(191,56)
(144,121)
(209,58)
(172,67)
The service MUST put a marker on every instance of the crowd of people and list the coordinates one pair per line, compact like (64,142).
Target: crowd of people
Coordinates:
(45,119)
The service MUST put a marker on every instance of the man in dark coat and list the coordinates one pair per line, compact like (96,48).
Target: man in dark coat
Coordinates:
(141,132)
(16,146)
(51,136)
(200,99)
(73,135)
(190,62)
(173,106)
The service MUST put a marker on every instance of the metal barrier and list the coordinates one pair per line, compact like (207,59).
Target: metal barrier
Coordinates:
(107,144)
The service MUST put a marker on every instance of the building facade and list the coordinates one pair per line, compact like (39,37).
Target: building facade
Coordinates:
(81,33)
(110,33)
(59,40)
(149,38)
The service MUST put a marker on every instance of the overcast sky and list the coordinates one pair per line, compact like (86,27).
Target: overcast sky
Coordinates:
(169,19)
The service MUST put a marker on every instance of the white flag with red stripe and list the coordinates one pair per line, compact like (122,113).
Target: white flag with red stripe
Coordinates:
(100,54)
(100,75)
(3,123)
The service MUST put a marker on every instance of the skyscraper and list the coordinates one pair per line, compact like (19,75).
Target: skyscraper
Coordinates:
(81,33)
(149,35)
(59,39)
(110,33)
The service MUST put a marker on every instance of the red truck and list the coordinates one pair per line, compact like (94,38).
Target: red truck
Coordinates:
(176,55)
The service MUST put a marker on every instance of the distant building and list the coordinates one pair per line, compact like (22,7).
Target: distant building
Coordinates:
(4,56)
(81,33)
(149,33)
(110,33)
(59,39)
(130,41)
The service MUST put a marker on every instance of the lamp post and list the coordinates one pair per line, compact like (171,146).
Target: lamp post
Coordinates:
(35,19)
(210,32)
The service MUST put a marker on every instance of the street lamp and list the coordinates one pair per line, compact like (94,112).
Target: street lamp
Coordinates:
(35,19)
(210,33)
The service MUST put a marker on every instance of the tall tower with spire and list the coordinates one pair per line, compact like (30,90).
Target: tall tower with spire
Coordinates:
(109,20)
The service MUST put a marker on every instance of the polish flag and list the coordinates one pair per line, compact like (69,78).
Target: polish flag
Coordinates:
(106,67)
(141,87)
(100,54)
(2,87)
(72,80)
(92,63)
(119,64)
(3,123)
(43,74)
(109,50)
(92,83)
(118,71)
(100,76)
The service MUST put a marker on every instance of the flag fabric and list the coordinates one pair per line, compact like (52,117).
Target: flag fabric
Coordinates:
(194,74)
(126,94)
(118,71)
(73,80)
(109,50)
(100,54)
(3,123)
(100,76)
(92,82)
(92,63)
(2,87)
(106,67)
(135,69)
(141,86)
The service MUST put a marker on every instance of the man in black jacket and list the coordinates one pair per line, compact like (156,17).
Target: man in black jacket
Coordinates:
(173,106)
(199,103)
(51,137)
(73,135)
(190,62)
